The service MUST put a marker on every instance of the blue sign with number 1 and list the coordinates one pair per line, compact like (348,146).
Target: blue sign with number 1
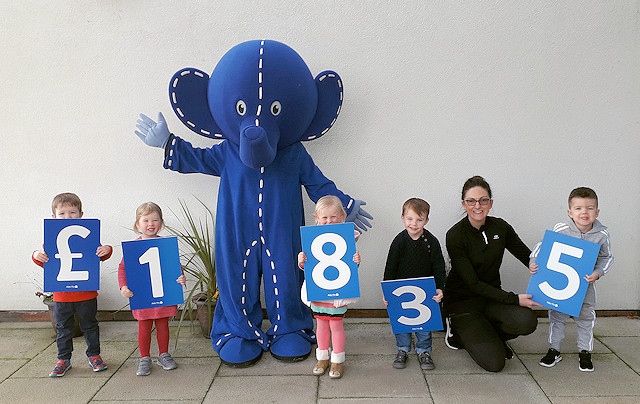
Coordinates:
(563,263)
(152,267)
(330,271)
(411,306)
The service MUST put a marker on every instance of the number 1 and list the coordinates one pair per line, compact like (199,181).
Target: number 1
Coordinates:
(152,257)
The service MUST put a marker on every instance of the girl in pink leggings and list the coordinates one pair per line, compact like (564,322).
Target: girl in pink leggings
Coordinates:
(329,314)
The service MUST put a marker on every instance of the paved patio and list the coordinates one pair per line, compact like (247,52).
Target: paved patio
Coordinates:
(28,353)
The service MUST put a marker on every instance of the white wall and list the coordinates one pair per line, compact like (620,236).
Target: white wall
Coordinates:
(538,97)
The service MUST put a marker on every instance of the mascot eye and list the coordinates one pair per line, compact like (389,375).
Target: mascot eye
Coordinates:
(241,108)
(276,108)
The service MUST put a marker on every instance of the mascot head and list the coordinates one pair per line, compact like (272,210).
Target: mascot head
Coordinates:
(261,97)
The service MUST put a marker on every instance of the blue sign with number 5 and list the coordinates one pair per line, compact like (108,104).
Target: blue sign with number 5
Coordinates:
(71,245)
(411,306)
(330,271)
(563,263)
(152,267)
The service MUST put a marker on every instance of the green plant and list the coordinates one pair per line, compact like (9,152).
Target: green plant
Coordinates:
(197,256)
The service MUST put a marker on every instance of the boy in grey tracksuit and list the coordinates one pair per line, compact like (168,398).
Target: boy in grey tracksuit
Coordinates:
(583,212)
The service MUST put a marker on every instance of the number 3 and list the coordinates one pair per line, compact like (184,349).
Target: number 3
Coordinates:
(419,297)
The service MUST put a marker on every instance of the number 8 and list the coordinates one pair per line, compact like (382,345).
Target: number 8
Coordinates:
(334,260)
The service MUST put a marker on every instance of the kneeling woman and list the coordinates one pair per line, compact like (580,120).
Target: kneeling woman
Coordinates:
(480,315)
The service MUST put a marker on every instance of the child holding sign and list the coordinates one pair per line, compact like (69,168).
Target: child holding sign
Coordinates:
(66,304)
(415,253)
(583,212)
(329,314)
(148,223)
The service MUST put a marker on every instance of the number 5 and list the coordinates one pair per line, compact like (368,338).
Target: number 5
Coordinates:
(554,264)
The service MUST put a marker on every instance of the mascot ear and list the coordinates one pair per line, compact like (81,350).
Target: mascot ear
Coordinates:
(188,95)
(329,87)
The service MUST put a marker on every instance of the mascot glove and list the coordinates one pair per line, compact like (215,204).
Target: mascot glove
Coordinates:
(359,216)
(152,133)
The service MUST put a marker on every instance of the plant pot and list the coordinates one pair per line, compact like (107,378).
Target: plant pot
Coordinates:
(77,332)
(202,314)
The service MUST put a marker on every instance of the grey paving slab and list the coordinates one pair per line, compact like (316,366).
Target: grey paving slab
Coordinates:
(28,353)
(369,338)
(485,388)
(382,380)
(390,400)
(190,381)
(190,345)
(119,331)
(50,390)
(23,343)
(9,366)
(626,348)
(112,352)
(596,400)
(617,327)
(268,366)
(263,389)
(611,377)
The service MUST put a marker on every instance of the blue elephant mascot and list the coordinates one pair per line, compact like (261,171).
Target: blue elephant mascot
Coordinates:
(263,101)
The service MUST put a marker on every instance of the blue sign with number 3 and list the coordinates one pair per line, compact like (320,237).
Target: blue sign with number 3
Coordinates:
(330,271)
(152,267)
(563,263)
(71,246)
(411,306)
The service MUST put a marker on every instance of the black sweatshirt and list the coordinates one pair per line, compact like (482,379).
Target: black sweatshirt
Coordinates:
(476,256)
(409,258)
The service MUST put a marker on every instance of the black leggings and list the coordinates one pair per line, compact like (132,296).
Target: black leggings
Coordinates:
(482,327)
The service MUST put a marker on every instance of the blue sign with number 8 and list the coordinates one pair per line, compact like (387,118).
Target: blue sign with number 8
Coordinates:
(330,271)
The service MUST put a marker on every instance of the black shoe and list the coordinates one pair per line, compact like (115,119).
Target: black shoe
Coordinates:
(401,360)
(585,361)
(426,363)
(508,353)
(449,339)
(551,358)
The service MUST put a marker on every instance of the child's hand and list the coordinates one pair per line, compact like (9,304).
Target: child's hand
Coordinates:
(126,292)
(302,258)
(386,303)
(356,257)
(438,296)
(40,256)
(533,268)
(593,277)
(182,280)
(103,250)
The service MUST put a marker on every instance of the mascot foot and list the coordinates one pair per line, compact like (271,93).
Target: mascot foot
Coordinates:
(240,353)
(290,347)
